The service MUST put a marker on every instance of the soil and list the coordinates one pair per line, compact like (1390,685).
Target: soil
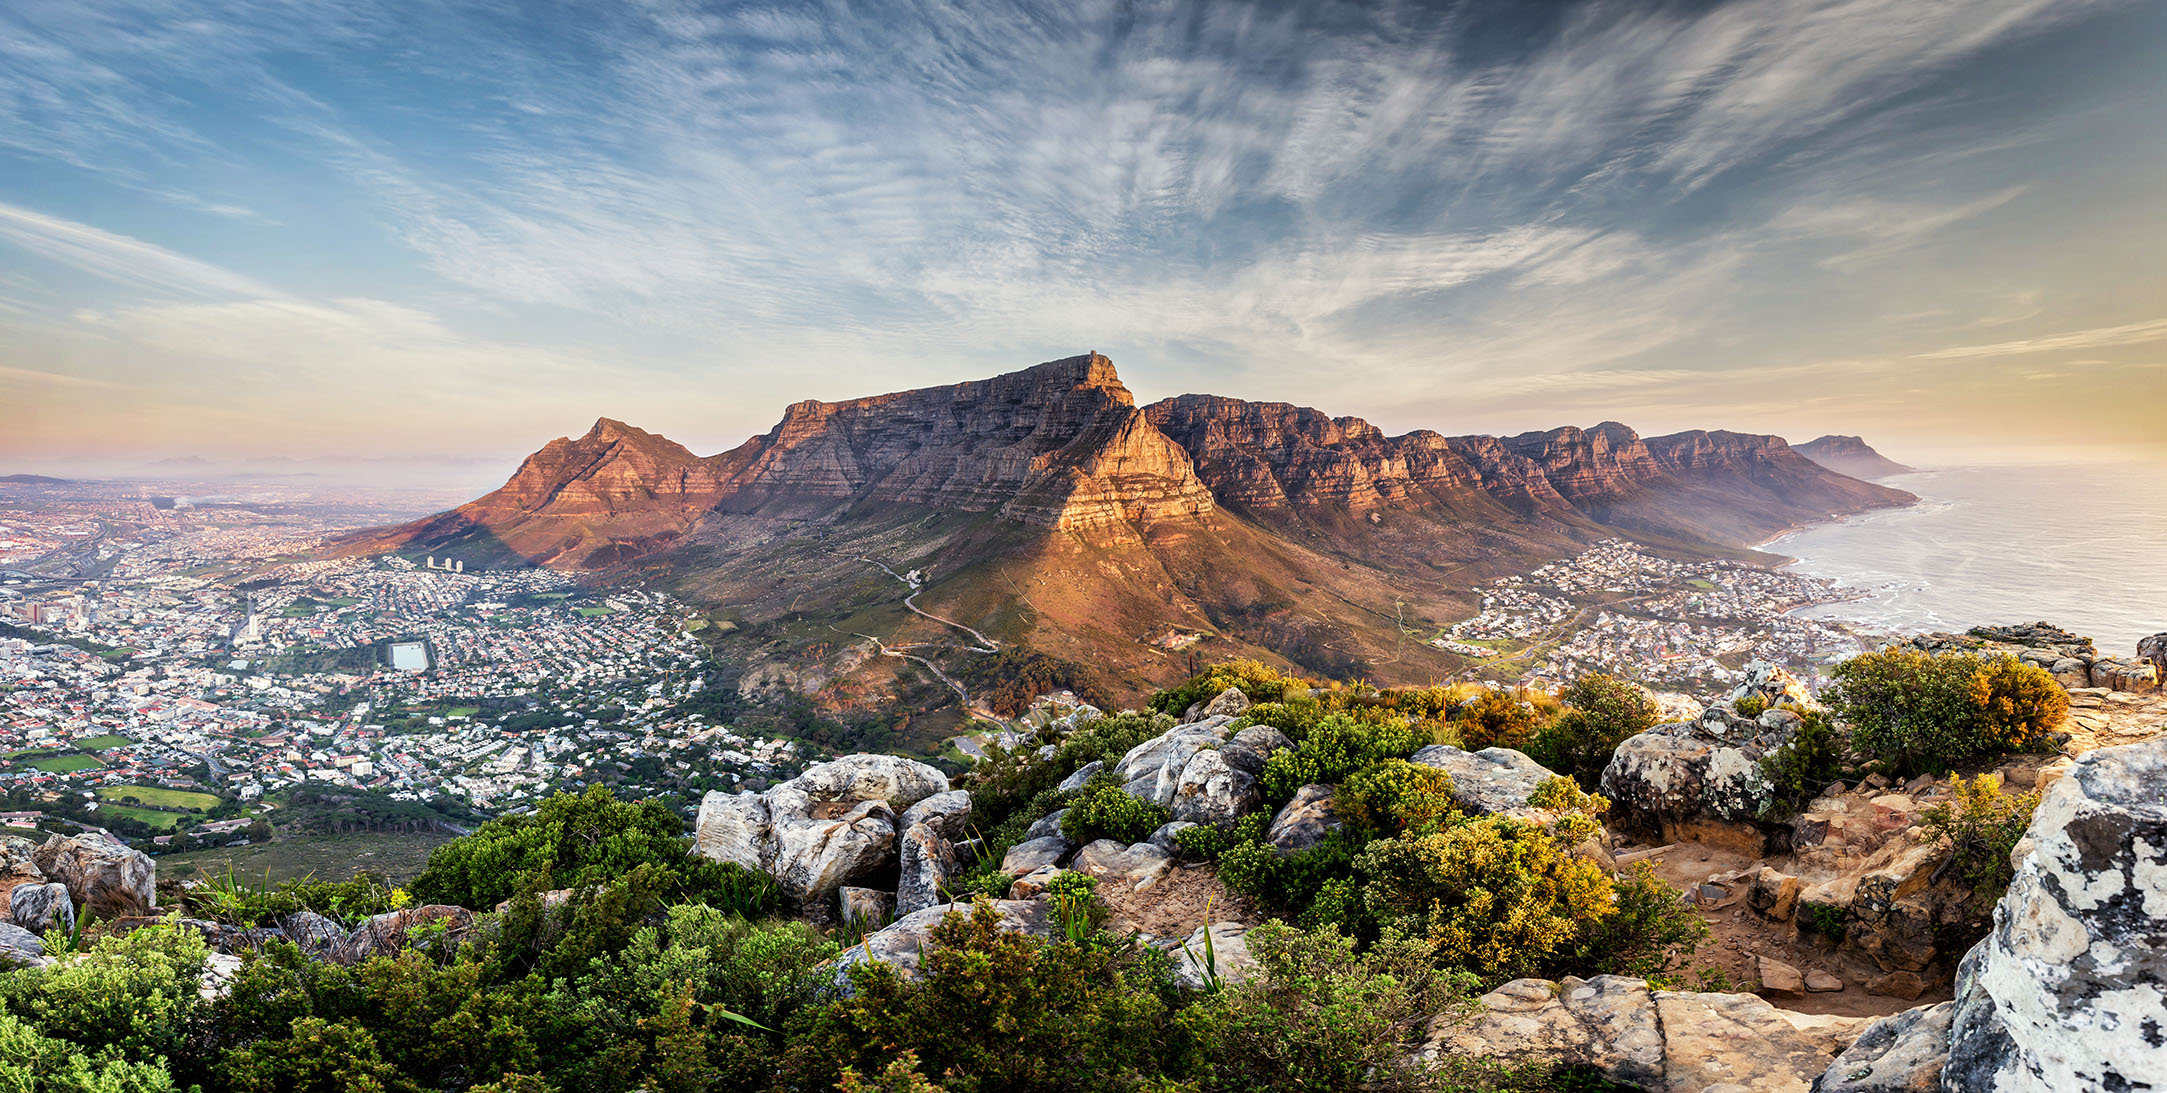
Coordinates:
(1182,899)
(1737,935)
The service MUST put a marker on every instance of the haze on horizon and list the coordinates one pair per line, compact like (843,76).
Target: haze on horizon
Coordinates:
(303,229)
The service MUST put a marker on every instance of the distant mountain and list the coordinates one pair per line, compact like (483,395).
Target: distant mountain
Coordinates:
(34,480)
(1850,455)
(1047,511)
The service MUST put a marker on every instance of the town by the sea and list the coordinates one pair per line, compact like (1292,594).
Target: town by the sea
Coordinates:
(2078,545)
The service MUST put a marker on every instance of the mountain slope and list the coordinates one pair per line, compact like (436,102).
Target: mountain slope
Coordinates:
(1850,455)
(1046,511)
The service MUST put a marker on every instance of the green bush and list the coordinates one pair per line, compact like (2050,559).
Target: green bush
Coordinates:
(1104,810)
(1753,705)
(31,1063)
(135,995)
(1396,796)
(231,898)
(1336,747)
(1257,681)
(1920,712)
(1652,935)
(1495,895)
(1014,781)
(1496,719)
(1320,1015)
(1803,766)
(1600,712)
(1979,827)
(1203,842)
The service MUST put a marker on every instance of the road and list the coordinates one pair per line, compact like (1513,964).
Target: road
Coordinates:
(985,644)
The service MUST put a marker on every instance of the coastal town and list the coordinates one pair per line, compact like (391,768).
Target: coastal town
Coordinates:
(173,674)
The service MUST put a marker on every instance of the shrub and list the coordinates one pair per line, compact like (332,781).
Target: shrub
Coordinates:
(992,1011)
(31,1063)
(1013,781)
(1203,842)
(579,839)
(1319,1015)
(230,898)
(1753,705)
(1496,719)
(315,1056)
(1979,826)
(1494,895)
(1652,936)
(1920,712)
(1396,796)
(1600,712)
(1805,765)
(1255,680)
(136,994)
(1104,810)
(1338,746)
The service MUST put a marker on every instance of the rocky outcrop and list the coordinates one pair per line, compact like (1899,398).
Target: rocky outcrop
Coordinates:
(1493,780)
(1695,779)
(108,879)
(1227,957)
(1304,821)
(41,907)
(902,943)
(833,824)
(1662,1041)
(1774,686)
(1901,1053)
(19,947)
(1849,455)
(2069,990)
(1134,866)
(395,931)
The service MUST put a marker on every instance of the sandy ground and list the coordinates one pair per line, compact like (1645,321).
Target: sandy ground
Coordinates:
(1181,900)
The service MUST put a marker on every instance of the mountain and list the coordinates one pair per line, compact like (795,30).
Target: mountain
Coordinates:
(34,480)
(1850,455)
(1046,511)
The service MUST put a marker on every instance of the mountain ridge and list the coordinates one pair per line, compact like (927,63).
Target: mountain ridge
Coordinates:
(1850,455)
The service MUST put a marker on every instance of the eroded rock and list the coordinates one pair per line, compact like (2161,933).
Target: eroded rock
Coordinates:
(107,879)
(41,907)
(1493,780)
(1305,821)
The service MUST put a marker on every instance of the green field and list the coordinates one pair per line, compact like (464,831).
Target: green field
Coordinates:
(297,611)
(1703,583)
(462,711)
(397,858)
(160,796)
(162,821)
(342,601)
(101,743)
(65,764)
(590,612)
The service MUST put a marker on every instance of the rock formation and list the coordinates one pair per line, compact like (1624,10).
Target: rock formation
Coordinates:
(1849,455)
(833,824)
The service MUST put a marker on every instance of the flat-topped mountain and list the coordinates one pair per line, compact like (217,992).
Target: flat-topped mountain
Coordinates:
(1048,512)
(1850,455)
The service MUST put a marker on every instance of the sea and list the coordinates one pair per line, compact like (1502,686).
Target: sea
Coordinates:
(2081,546)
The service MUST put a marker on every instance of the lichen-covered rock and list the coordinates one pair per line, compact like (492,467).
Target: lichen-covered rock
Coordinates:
(1493,780)
(1698,779)
(948,812)
(1664,1041)
(732,827)
(900,943)
(926,861)
(1081,775)
(1305,821)
(893,779)
(1900,1053)
(1049,824)
(1152,771)
(1893,916)
(1227,958)
(1229,703)
(2134,676)
(1252,746)
(394,931)
(1211,791)
(1163,836)
(108,879)
(1774,685)
(1032,855)
(314,934)
(2069,990)
(41,907)
(810,857)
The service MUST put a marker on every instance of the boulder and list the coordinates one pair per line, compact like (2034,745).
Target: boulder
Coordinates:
(19,946)
(1228,957)
(949,813)
(1907,985)
(1252,746)
(1229,703)
(2134,676)
(1892,916)
(1774,893)
(1031,855)
(1163,836)
(1133,867)
(1663,1041)
(1049,824)
(1210,791)
(316,935)
(2066,992)
(891,778)
(394,931)
(1493,780)
(1900,1053)
(870,907)
(1082,774)
(1152,771)
(2154,651)
(1305,821)
(1773,685)
(1033,885)
(926,862)
(901,943)
(1693,780)
(1821,982)
(812,857)
(41,907)
(108,879)
(1778,977)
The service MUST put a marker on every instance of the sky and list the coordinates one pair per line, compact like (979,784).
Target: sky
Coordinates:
(447,232)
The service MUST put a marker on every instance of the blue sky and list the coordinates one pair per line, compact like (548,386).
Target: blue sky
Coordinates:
(304,228)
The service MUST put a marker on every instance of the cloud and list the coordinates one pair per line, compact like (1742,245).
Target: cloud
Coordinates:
(2098,338)
(120,258)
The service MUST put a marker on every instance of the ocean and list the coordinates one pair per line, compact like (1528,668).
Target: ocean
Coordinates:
(2080,546)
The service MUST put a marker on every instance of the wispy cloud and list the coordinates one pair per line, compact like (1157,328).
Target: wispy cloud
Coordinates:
(120,258)
(2098,338)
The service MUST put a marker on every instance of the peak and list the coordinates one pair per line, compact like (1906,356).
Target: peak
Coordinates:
(1092,369)
(609,428)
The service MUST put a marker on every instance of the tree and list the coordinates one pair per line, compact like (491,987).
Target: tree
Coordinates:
(1600,712)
